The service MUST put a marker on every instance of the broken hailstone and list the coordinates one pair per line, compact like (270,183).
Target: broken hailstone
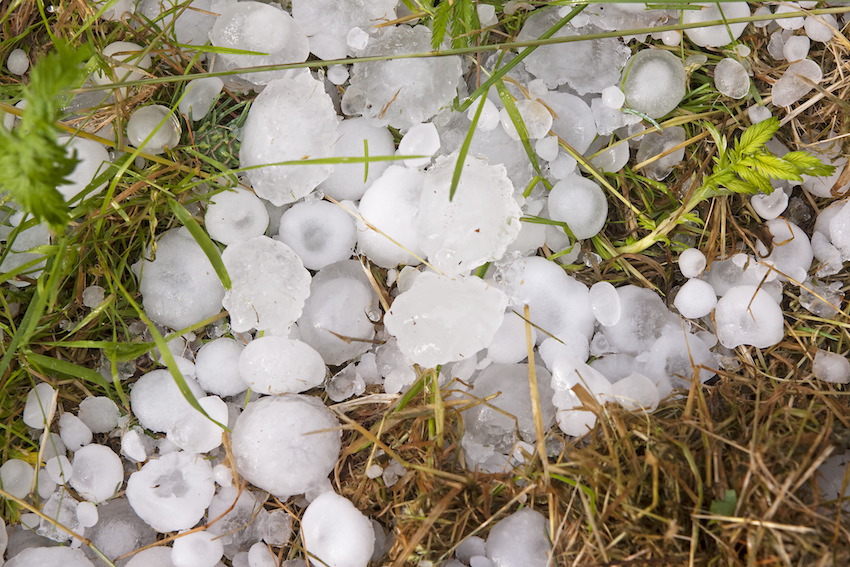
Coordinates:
(179,286)
(262,28)
(172,492)
(654,144)
(440,320)
(581,204)
(153,129)
(327,36)
(796,82)
(654,82)
(747,315)
(336,533)
(717,35)
(269,285)
(831,367)
(276,431)
(277,365)
(235,215)
(295,103)
(474,227)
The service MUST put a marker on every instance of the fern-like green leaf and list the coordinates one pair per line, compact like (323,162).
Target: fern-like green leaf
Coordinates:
(753,177)
(742,187)
(774,167)
(756,136)
(807,164)
(440,24)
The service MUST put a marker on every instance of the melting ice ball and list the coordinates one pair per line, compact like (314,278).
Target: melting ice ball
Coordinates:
(654,82)
(179,287)
(294,104)
(287,444)
(718,35)
(336,533)
(270,285)
(581,204)
(157,402)
(474,227)
(747,315)
(153,129)
(235,215)
(277,365)
(440,320)
(320,232)
(199,96)
(217,367)
(262,28)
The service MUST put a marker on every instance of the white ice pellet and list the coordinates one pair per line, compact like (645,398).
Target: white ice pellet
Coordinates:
(796,82)
(217,367)
(320,232)
(520,539)
(277,365)
(87,514)
(731,78)
(223,475)
(789,23)
(547,148)
(509,345)
(654,82)
(831,367)
(374,471)
(99,413)
(691,262)
(820,28)
(758,113)
(98,473)
(337,74)
(123,58)
(747,315)
(235,215)
(421,139)
(75,434)
(696,298)
(196,549)
(534,117)
(199,96)
(132,446)
(16,477)
(796,48)
(716,35)
(605,303)
(358,138)
(93,296)
(613,97)
(153,129)
(59,469)
(489,117)
(671,38)
(195,433)
(636,391)
(336,533)
(581,204)
(40,405)
(17,63)
(356,39)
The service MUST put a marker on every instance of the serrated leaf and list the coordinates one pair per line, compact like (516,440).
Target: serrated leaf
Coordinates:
(718,138)
(808,164)
(440,24)
(774,167)
(754,178)
(756,136)
(742,187)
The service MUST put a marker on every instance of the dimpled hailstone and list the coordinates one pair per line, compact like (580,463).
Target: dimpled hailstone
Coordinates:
(277,365)
(235,215)
(286,444)
(259,27)
(336,533)
(401,92)
(718,35)
(320,232)
(440,320)
(654,82)
(98,473)
(519,540)
(172,492)
(50,557)
(270,285)
(92,156)
(292,119)
(327,22)
(477,225)
(179,287)
(581,204)
(747,315)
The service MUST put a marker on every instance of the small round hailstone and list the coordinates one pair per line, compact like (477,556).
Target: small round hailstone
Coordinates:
(277,365)
(153,128)
(547,148)
(796,48)
(695,299)
(520,539)
(717,35)
(758,113)
(336,533)
(337,74)
(126,53)
(605,302)
(536,119)
(217,367)
(98,473)
(87,514)
(320,232)
(275,431)
(39,405)
(74,433)
(16,477)
(59,469)
(820,28)
(508,345)
(747,315)
(422,139)
(581,204)
(731,78)
(613,97)
(489,117)
(18,62)
(93,296)
(259,555)
(153,557)
(356,137)
(194,432)
(235,215)
(691,262)
(172,492)
(196,549)
(157,402)
(831,367)
(99,413)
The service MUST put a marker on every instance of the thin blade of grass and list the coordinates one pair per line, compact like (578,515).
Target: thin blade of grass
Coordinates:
(66,368)
(203,240)
(464,149)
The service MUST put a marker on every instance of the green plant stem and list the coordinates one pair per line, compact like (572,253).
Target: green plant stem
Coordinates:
(659,234)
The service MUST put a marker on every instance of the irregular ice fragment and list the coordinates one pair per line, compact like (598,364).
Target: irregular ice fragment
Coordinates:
(831,367)
(199,96)
(770,206)
(654,144)
(536,119)
(746,315)
(642,320)
(731,79)
(636,391)
(327,35)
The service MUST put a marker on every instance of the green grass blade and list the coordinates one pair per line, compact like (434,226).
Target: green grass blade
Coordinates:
(66,368)
(464,149)
(519,124)
(203,240)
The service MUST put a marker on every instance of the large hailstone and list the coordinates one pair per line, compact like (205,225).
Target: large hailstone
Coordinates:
(286,444)
(440,320)
(477,225)
(581,204)
(747,315)
(179,287)
(270,285)
(277,365)
(336,533)
(262,28)
(654,82)
(719,35)
(293,119)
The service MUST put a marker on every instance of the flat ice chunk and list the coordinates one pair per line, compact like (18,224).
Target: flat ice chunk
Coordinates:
(746,315)
(320,232)
(390,205)
(770,206)
(16,477)
(824,300)
(40,405)
(217,367)
(199,96)
(654,82)
(157,402)
(731,78)
(696,298)
(796,48)
(274,432)
(99,413)
(172,492)
(338,316)
(401,92)
(642,320)
(92,156)
(440,320)
(153,129)
(422,139)
(795,83)
(605,302)
(508,345)
(328,35)
(196,549)
(520,540)
(717,35)
(635,392)
(358,137)
(336,533)
(277,365)
(658,143)
(831,367)
(50,557)
(262,28)
(581,204)
(536,119)
(474,227)
(296,103)
(270,285)
(98,473)
(792,252)
(235,215)
(179,287)
(691,262)
(195,433)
